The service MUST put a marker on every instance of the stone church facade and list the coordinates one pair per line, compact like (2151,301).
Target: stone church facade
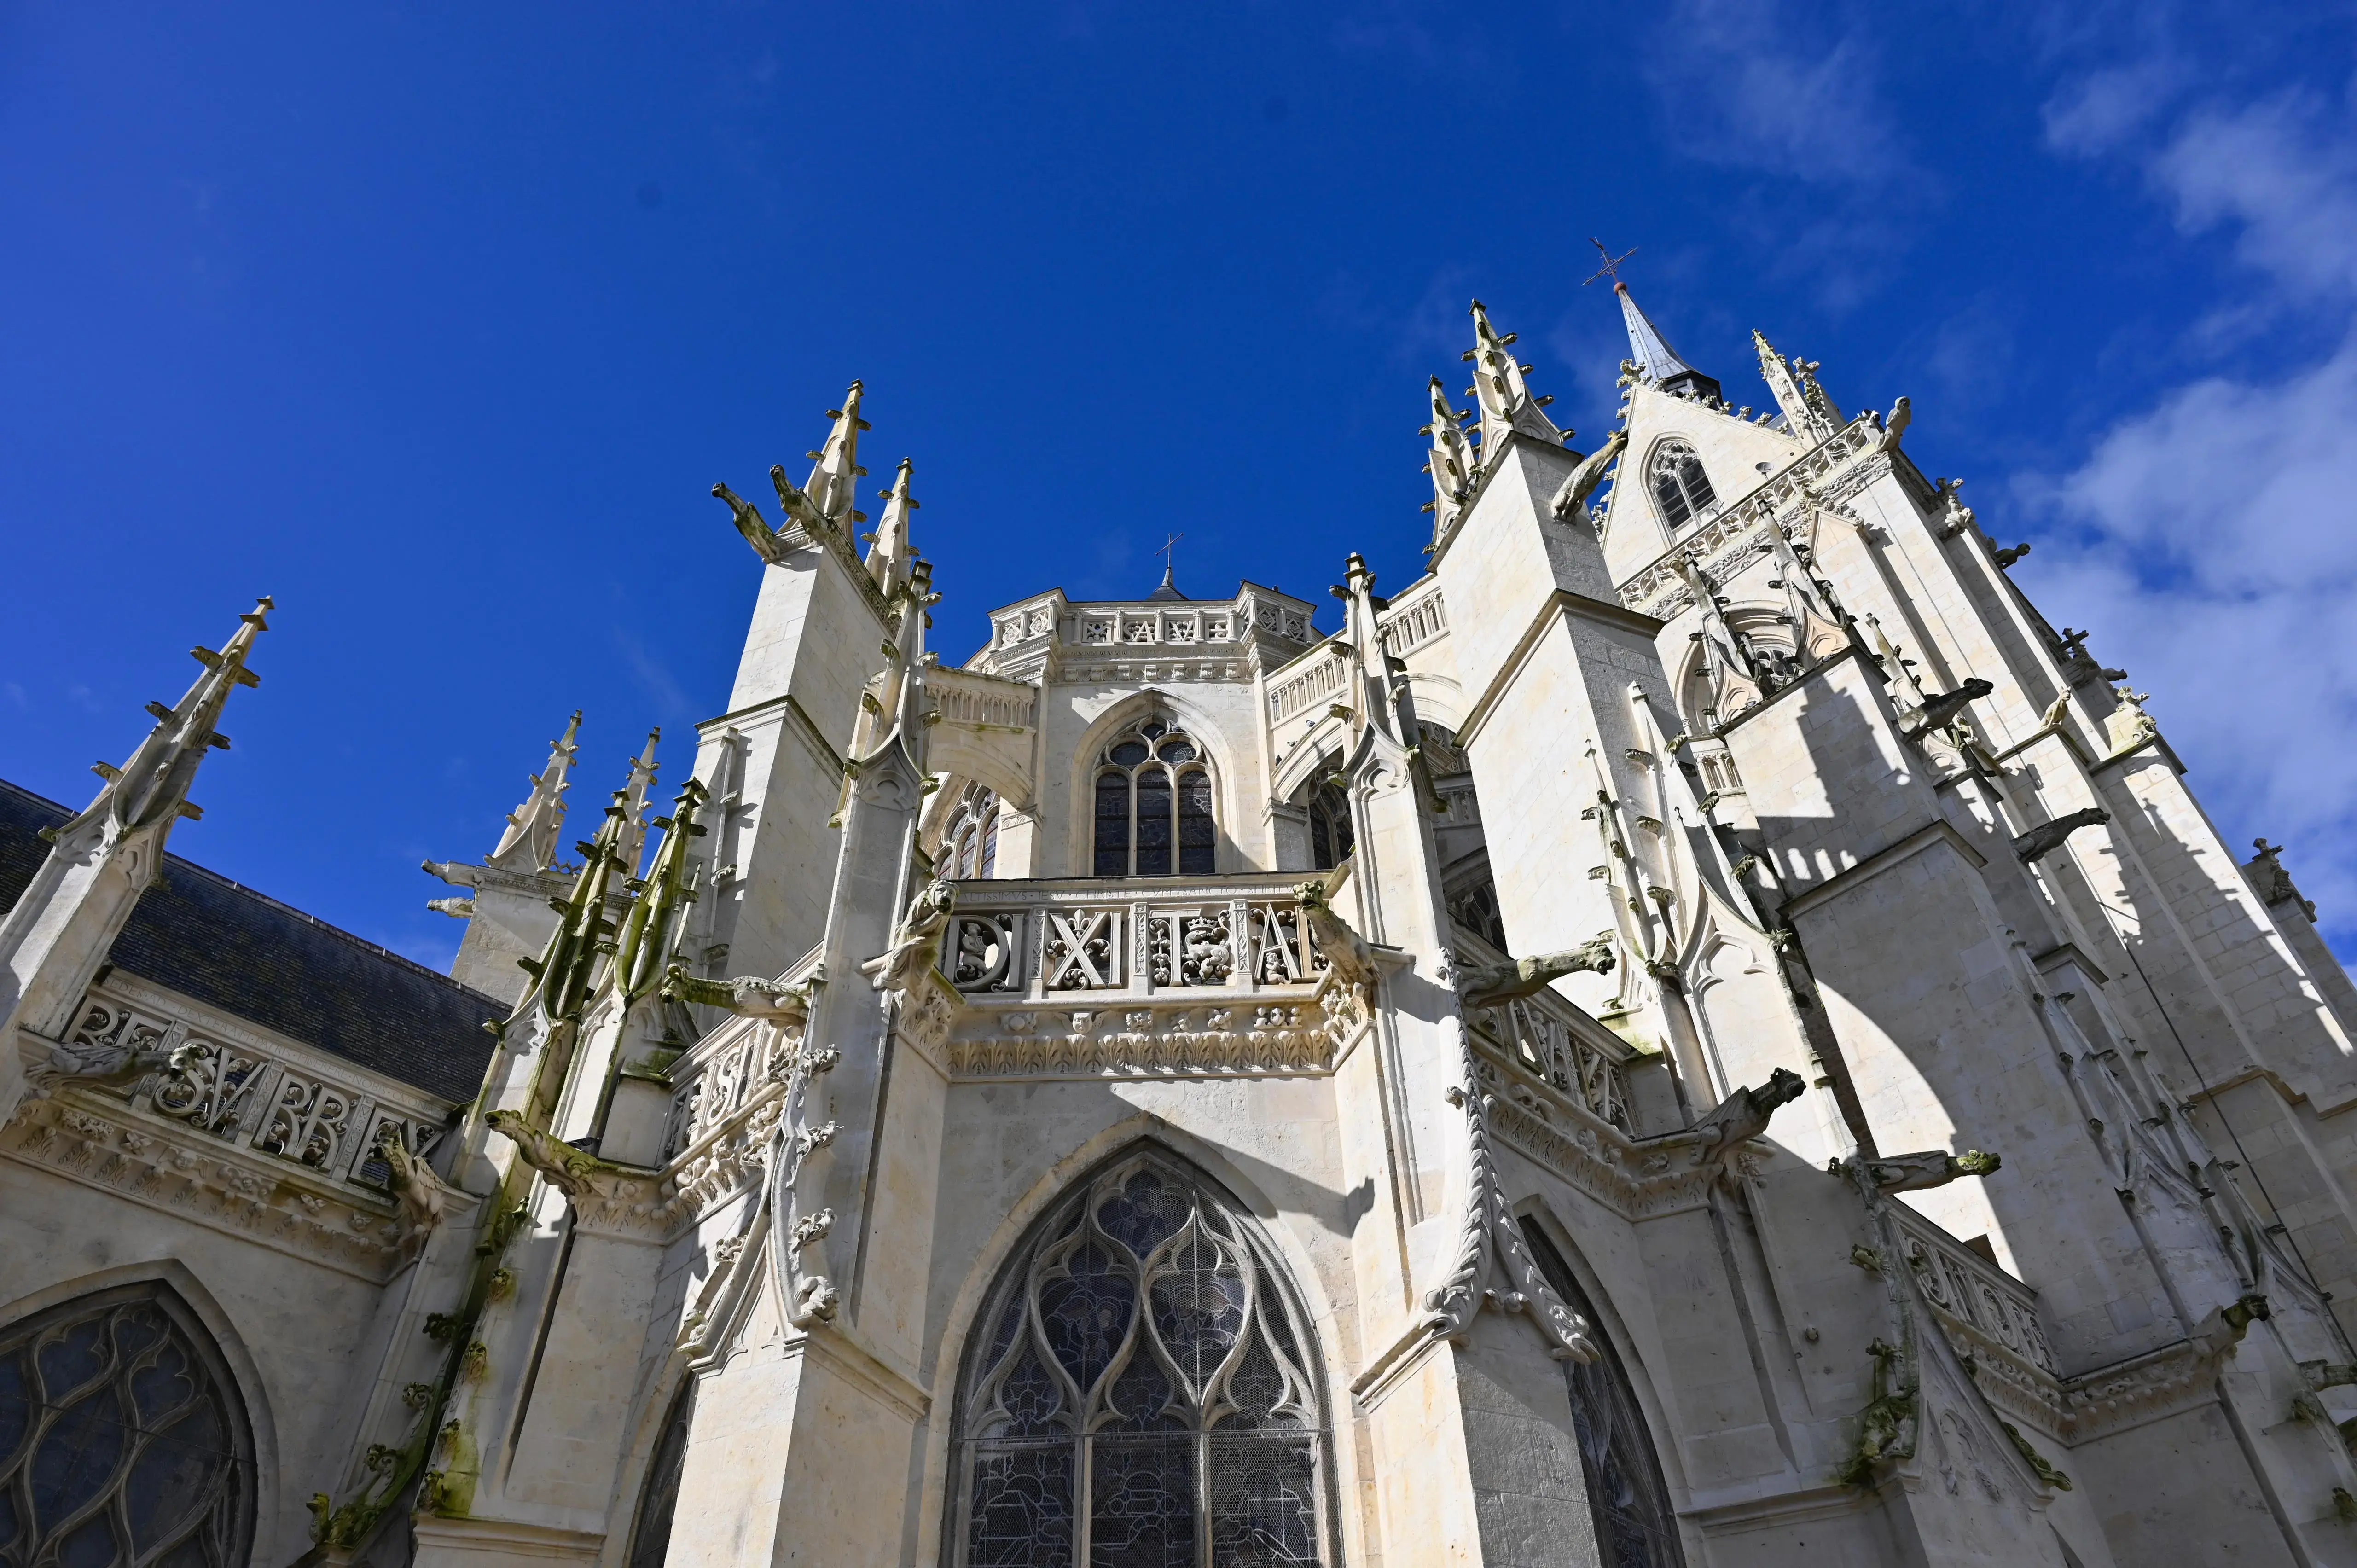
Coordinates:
(1700,1029)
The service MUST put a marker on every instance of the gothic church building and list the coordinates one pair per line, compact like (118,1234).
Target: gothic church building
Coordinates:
(1699,1029)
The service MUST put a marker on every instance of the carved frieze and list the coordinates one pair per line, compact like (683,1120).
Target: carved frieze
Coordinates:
(1255,1037)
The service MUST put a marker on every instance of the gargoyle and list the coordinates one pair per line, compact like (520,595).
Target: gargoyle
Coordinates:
(748,996)
(1487,985)
(754,527)
(1743,1115)
(1902,414)
(1347,952)
(917,944)
(2046,837)
(1933,1168)
(1941,708)
(107,1065)
(1587,476)
(2217,1334)
(422,1196)
(567,1169)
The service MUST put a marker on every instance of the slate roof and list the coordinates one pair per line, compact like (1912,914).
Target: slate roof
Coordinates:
(247,954)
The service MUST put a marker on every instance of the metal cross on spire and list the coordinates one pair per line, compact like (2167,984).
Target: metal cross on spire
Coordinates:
(1611,267)
(1169,553)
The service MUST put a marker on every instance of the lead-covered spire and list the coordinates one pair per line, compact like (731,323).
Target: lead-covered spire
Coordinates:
(1505,398)
(1656,362)
(529,841)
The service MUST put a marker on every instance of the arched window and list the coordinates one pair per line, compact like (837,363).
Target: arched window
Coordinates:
(970,838)
(122,1437)
(1331,837)
(1680,486)
(659,1498)
(1153,813)
(1635,1526)
(1146,1393)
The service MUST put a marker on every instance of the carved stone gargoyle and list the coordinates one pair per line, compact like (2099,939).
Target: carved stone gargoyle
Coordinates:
(1743,1116)
(104,1066)
(422,1196)
(1940,708)
(748,996)
(1587,476)
(2046,837)
(917,943)
(567,1169)
(1933,1168)
(1347,952)
(1487,985)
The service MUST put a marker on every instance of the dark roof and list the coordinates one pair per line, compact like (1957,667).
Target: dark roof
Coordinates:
(1168,593)
(205,936)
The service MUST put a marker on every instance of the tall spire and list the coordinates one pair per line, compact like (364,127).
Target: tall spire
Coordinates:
(1450,465)
(528,844)
(634,807)
(887,559)
(835,465)
(1809,414)
(103,858)
(1656,362)
(1505,398)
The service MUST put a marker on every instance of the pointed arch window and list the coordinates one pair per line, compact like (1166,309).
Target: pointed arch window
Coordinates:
(1679,487)
(1153,805)
(659,1499)
(1635,1525)
(1331,836)
(122,1437)
(970,839)
(1145,1394)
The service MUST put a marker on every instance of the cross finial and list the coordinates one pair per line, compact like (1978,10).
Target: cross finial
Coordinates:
(1611,267)
(1169,553)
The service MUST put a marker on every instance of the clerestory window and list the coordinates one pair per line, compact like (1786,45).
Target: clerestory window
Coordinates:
(1140,1392)
(1154,814)
(1679,487)
(122,1437)
(1331,836)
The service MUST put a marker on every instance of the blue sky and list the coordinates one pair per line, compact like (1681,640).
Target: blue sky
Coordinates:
(438,325)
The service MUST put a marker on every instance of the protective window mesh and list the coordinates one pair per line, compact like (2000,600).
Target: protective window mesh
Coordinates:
(1141,1398)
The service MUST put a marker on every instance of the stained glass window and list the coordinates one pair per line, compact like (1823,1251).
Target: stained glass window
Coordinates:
(1142,1399)
(969,836)
(122,1438)
(1635,1527)
(659,1498)
(1680,486)
(1154,806)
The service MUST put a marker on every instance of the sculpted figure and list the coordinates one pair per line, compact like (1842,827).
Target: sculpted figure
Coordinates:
(1902,413)
(1941,708)
(422,1196)
(1347,952)
(1743,1115)
(1934,1168)
(107,1065)
(2046,837)
(566,1167)
(917,945)
(754,527)
(1587,476)
(748,996)
(1487,985)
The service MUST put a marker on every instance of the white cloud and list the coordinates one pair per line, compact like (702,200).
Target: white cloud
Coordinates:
(1746,87)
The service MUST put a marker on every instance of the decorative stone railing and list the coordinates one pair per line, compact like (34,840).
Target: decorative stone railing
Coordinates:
(1315,677)
(1415,619)
(1092,940)
(1547,1036)
(1657,590)
(1989,1317)
(718,1076)
(250,1098)
(962,697)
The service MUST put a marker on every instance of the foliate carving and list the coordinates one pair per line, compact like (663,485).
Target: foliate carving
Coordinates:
(809,1293)
(1292,1037)
(1191,950)
(210,1089)
(1080,951)
(307,1122)
(1495,1266)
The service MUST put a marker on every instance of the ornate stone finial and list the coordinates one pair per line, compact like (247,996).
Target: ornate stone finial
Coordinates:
(1450,465)
(650,931)
(562,972)
(888,557)
(835,465)
(1505,398)
(633,842)
(529,841)
(1809,414)
(152,788)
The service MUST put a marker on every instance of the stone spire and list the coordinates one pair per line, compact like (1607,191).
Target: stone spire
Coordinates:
(836,463)
(1809,414)
(1450,465)
(528,844)
(1655,360)
(1506,401)
(887,559)
(634,807)
(100,861)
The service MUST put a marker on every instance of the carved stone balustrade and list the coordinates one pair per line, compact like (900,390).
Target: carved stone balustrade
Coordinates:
(1309,683)
(1416,618)
(1556,1042)
(1990,1318)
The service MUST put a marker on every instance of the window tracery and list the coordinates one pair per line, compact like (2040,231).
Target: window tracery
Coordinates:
(970,838)
(122,1437)
(1153,805)
(1331,836)
(1680,488)
(1635,1524)
(1142,1399)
